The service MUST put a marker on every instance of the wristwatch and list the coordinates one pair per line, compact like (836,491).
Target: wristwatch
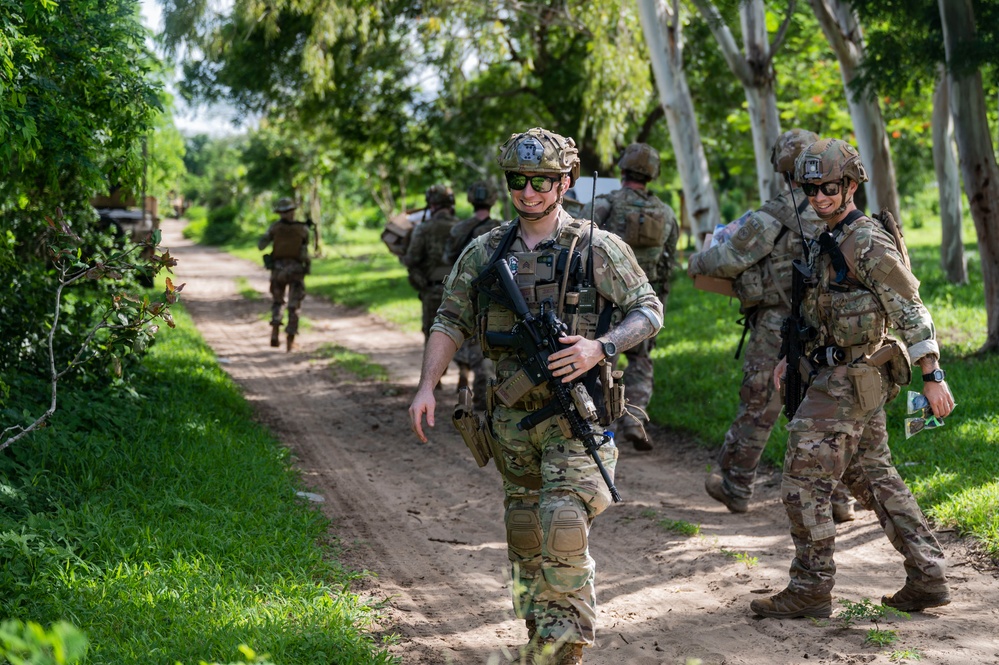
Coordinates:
(609,347)
(936,376)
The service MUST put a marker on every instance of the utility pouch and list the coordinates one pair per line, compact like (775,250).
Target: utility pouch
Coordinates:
(614,403)
(806,370)
(748,287)
(269,261)
(513,389)
(895,357)
(469,426)
(866,381)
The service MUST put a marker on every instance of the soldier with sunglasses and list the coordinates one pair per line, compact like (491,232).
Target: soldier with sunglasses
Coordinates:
(861,286)
(553,489)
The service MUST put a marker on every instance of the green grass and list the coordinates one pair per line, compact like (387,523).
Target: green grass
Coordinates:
(164,524)
(742,557)
(357,364)
(244,289)
(952,470)
(902,655)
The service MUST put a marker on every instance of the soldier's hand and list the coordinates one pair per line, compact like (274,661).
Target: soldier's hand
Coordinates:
(779,371)
(692,266)
(423,403)
(577,359)
(940,398)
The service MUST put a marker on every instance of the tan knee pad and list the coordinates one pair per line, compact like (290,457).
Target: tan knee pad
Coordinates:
(567,532)
(523,531)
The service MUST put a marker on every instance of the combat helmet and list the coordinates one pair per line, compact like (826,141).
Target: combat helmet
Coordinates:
(640,158)
(788,146)
(482,194)
(540,151)
(440,196)
(829,160)
(284,205)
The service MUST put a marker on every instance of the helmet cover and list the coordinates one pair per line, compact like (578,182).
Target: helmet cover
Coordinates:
(284,205)
(540,151)
(788,146)
(640,158)
(440,195)
(482,194)
(829,160)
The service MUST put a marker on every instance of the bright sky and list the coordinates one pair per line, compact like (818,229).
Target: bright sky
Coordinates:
(214,120)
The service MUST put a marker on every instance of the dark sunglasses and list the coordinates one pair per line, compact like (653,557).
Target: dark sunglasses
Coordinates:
(827,188)
(540,183)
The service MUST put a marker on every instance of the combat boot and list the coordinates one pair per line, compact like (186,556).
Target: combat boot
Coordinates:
(910,599)
(291,343)
(790,604)
(275,333)
(843,512)
(532,628)
(566,654)
(635,433)
(715,487)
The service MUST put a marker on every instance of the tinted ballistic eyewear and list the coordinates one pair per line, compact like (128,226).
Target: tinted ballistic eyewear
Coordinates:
(827,188)
(540,183)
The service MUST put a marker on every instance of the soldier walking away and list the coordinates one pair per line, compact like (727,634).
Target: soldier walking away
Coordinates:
(650,228)
(482,196)
(556,268)
(425,255)
(758,258)
(860,285)
(289,263)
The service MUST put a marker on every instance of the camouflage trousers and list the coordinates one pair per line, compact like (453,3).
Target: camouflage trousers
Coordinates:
(469,358)
(287,275)
(431,298)
(759,408)
(833,438)
(548,528)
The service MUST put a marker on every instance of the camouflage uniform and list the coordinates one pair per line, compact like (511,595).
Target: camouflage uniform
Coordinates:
(425,260)
(758,258)
(290,265)
(839,428)
(469,357)
(553,489)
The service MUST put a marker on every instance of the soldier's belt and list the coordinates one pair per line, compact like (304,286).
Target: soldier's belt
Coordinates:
(832,356)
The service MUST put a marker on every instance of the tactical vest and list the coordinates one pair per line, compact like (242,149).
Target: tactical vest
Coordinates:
(840,308)
(645,223)
(767,283)
(289,239)
(540,276)
(436,232)
(463,233)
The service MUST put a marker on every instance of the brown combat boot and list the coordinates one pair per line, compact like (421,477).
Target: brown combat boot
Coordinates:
(532,628)
(910,599)
(715,487)
(291,343)
(275,332)
(635,433)
(790,604)
(566,654)
(843,512)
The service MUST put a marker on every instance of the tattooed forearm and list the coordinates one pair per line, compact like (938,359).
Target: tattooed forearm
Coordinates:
(635,327)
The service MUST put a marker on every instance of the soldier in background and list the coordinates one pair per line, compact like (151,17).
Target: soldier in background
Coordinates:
(650,227)
(758,258)
(482,197)
(289,263)
(425,255)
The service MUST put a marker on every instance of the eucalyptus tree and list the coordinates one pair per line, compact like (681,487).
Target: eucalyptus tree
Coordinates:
(662,25)
(755,70)
(841,27)
(952,258)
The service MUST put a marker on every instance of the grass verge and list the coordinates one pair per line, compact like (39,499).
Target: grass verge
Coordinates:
(164,523)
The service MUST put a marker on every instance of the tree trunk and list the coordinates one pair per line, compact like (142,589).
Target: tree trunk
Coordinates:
(662,29)
(978,162)
(952,259)
(316,215)
(756,74)
(840,25)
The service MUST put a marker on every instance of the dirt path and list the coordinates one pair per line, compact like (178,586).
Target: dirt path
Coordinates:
(428,523)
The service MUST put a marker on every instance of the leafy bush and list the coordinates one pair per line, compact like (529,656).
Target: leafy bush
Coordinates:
(31,644)
(222,226)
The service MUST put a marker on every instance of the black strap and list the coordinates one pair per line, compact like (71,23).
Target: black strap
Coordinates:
(829,244)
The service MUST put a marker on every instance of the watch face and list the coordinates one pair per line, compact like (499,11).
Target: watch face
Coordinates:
(610,349)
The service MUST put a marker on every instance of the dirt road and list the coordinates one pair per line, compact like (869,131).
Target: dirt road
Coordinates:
(427,523)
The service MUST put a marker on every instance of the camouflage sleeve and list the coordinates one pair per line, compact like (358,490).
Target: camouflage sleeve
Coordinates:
(621,280)
(881,269)
(456,315)
(752,242)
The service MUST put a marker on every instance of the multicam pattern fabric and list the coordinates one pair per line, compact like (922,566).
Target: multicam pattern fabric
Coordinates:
(425,260)
(287,275)
(547,529)
(833,436)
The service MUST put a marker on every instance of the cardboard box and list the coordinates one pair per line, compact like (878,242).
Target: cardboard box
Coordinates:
(718,285)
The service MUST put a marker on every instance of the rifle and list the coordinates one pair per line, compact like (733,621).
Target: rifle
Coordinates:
(535,338)
(794,331)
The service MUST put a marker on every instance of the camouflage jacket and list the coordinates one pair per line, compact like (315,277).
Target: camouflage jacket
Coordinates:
(647,224)
(758,257)
(618,279)
(425,255)
(878,292)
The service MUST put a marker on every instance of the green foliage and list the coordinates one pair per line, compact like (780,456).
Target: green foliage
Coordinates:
(902,655)
(881,638)
(197,223)
(176,540)
(742,557)
(357,364)
(865,610)
(31,644)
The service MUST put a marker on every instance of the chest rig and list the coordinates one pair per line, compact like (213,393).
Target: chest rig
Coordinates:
(642,221)
(289,237)
(845,313)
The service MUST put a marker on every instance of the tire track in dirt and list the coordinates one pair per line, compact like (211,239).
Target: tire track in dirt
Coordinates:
(427,522)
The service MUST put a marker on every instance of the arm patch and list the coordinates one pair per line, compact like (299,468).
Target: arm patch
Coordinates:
(892,273)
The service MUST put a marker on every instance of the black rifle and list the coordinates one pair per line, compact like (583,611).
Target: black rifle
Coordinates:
(794,333)
(535,338)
